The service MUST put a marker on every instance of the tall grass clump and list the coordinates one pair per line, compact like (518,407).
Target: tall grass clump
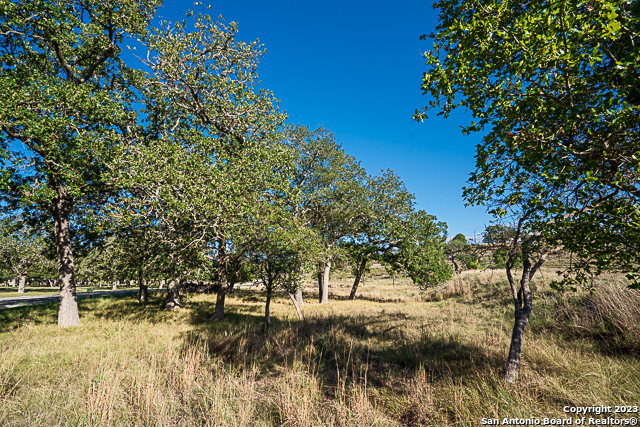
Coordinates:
(610,313)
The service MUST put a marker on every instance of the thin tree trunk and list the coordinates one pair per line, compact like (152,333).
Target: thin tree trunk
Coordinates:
(295,304)
(115,286)
(172,301)
(222,279)
(162,282)
(320,286)
(513,361)
(267,317)
(523,305)
(324,296)
(356,281)
(21,282)
(68,307)
(299,299)
(394,280)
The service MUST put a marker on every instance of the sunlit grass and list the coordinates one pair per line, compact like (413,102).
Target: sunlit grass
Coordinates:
(387,358)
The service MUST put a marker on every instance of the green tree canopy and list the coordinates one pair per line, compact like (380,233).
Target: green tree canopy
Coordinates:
(554,85)
(65,103)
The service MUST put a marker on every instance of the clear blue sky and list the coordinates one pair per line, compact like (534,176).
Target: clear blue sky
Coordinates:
(356,68)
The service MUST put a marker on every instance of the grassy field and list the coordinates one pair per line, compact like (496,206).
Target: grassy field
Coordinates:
(394,357)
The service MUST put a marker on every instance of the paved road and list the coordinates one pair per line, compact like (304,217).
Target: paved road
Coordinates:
(13,302)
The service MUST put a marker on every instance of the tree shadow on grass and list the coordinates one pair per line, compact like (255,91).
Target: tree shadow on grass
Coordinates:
(339,348)
(367,298)
(40,314)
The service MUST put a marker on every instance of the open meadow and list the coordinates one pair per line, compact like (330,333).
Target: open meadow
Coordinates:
(393,357)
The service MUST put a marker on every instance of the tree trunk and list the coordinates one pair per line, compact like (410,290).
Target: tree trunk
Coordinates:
(324,295)
(320,286)
(267,317)
(299,299)
(222,279)
(144,294)
(161,284)
(21,282)
(523,304)
(295,304)
(513,362)
(68,307)
(356,281)
(115,286)
(455,264)
(394,280)
(172,301)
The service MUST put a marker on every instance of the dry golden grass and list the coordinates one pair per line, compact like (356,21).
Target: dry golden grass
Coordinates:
(393,357)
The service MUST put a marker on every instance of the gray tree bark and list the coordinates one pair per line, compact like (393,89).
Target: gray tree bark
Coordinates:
(295,304)
(356,281)
(21,283)
(115,286)
(68,307)
(267,316)
(324,284)
(298,297)
(523,306)
(172,301)
(143,295)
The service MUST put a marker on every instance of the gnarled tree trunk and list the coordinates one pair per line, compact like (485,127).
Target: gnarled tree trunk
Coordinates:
(68,307)
(172,301)
(356,281)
